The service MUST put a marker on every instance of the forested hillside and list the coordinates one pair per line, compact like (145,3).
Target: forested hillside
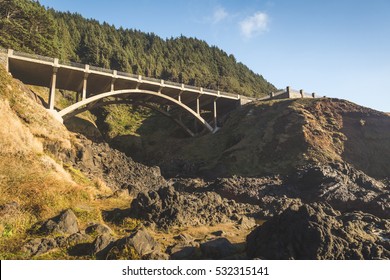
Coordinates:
(28,26)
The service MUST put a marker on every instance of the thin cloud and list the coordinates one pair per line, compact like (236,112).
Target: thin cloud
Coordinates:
(219,14)
(254,25)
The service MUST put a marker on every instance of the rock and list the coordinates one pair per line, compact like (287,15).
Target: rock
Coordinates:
(218,233)
(9,209)
(316,231)
(142,242)
(39,246)
(343,187)
(118,171)
(139,244)
(101,245)
(99,229)
(183,252)
(65,223)
(217,249)
(77,238)
(246,223)
(167,207)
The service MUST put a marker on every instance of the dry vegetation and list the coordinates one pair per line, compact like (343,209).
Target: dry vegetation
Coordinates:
(35,180)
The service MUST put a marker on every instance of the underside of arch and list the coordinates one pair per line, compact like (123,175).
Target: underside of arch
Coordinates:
(98,101)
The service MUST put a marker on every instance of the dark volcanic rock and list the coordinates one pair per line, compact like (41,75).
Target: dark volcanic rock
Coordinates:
(65,223)
(344,188)
(140,244)
(339,184)
(101,245)
(119,171)
(217,249)
(39,246)
(98,229)
(166,207)
(316,231)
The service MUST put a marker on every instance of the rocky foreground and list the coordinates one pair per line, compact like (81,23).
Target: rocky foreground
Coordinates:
(285,180)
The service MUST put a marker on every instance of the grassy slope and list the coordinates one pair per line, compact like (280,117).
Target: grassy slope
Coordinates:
(35,179)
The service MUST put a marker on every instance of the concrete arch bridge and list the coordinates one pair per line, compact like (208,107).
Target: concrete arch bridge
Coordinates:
(97,87)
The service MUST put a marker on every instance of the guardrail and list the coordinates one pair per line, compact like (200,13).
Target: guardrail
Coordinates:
(100,69)
(33,56)
(125,74)
(172,83)
(151,79)
(72,64)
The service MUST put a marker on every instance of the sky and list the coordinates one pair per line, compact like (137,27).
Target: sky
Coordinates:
(335,48)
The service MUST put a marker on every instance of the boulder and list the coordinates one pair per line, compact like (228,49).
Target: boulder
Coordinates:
(39,246)
(217,249)
(65,223)
(98,229)
(101,245)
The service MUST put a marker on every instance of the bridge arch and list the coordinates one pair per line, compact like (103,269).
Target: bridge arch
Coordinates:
(98,101)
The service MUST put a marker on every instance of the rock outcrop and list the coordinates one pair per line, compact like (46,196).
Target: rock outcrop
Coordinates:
(167,207)
(316,231)
(119,171)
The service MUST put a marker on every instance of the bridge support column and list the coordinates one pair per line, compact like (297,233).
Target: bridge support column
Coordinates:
(215,114)
(52,95)
(113,81)
(85,82)
(198,105)
(9,53)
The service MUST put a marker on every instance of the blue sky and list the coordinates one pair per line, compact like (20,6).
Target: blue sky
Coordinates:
(336,48)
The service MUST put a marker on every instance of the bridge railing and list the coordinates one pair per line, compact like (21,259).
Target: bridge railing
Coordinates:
(34,56)
(101,69)
(210,91)
(125,74)
(191,87)
(172,83)
(72,64)
(151,79)
(228,94)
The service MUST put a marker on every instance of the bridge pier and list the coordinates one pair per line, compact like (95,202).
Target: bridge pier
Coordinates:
(52,95)
(215,114)
(112,87)
(85,82)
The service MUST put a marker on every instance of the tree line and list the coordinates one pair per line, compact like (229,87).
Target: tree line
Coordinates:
(26,25)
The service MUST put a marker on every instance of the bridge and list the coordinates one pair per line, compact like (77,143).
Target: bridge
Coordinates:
(95,87)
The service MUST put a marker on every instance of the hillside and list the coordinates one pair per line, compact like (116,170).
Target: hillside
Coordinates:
(29,27)
(63,196)
(272,138)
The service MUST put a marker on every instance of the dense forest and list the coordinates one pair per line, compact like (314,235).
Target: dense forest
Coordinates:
(26,25)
